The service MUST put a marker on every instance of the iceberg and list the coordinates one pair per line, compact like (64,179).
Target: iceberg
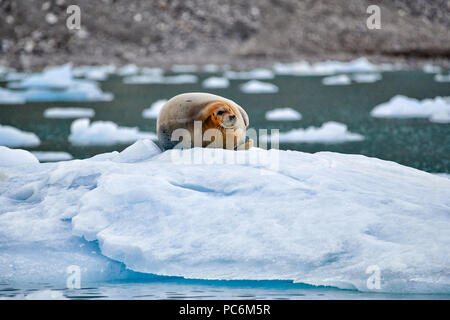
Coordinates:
(340,80)
(97,73)
(256,86)
(320,219)
(84,133)
(216,82)
(329,132)
(404,107)
(10,97)
(13,137)
(58,84)
(155,108)
(67,113)
(257,74)
(304,68)
(128,70)
(442,78)
(283,114)
(366,77)
(160,79)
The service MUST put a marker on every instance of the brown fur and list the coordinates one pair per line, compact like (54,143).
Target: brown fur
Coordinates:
(181,111)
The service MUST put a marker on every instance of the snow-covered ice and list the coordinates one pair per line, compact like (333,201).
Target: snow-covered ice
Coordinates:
(257,74)
(256,86)
(15,157)
(366,77)
(442,78)
(339,80)
(436,109)
(67,113)
(128,70)
(215,82)
(283,114)
(82,132)
(97,73)
(10,97)
(329,132)
(52,155)
(304,68)
(58,84)
(429,68)
(160,79)
(320,218)
(155,108)
(14,137)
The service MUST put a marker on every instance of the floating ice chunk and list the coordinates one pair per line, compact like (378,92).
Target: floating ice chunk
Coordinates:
(155,108)
(255,86)
(128,70)
(216,82)
(138,152)
(152,71)
(258,74)
(441,117)
(46,295)
(331,67)
(329,132)
(404,107)
(442,78)
(79,92)
(283,114)
(366,77)
(15,157)
(48,156)
(429,68)
(52,78)
(82,132)
(10,97)
(65,113)
(211,68)
(98,73)
(184,68)
(13,137)
(443,175)
(340,80)
(58,84)
(159,79)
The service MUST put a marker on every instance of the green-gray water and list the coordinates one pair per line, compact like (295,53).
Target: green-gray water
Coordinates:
(417,143)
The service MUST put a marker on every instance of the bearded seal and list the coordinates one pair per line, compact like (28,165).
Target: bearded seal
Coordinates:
(202,120)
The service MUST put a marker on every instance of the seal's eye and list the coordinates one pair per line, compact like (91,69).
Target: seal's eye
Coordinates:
(221,112)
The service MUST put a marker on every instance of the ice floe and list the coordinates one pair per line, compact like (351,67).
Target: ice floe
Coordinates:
(329,132)
(256,86)
(184,68)
(82,132)
(13,137)
(331,67)
(216,82)
(436,109)
(366,77)
(97,73)
(442,78)
(160,79)
(257,74)
(58,84)
(340,80)
(155,108)
(70,112)
(283,114)
(321,218)
(10,97)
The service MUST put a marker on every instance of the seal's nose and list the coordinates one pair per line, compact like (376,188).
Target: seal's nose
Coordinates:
(232,117)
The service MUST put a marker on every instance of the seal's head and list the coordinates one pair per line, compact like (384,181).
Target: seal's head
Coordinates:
(222,115)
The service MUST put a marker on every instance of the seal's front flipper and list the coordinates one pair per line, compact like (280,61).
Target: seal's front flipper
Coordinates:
(246,146)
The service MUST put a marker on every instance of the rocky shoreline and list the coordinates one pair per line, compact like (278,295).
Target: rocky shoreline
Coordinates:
(241,34)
